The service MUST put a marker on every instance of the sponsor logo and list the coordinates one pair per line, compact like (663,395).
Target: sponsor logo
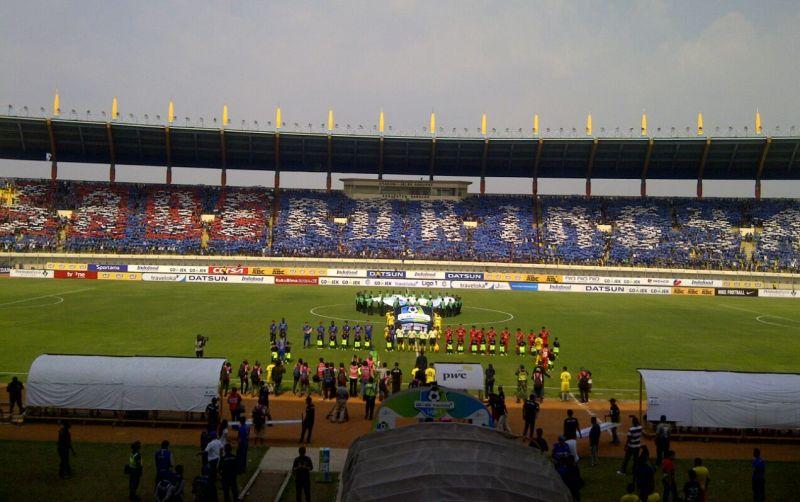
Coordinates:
(387,274)
(455,375)
(5,270)
(549,279)
(119,276)
(774,293)
(66,266)
(145,268)
(296,279)
(227,270)
(108,268)
(464,276)
(605,289)
(560,287)
(32,274)
(77,274)
(207,278)
(340,272)
(689,291)
(524,286)
(259,271)
(424,274)
(254,279)
(164,277)
(737,292)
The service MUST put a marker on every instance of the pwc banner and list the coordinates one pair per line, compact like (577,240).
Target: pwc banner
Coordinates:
(462,376)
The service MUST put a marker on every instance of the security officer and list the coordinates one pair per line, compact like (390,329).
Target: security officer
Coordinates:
(522,383)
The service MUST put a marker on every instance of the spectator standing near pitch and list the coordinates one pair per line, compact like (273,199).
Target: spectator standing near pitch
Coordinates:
(244,376)
(234,400)
(692,491)
(397,378)
(14,389)
(703,477)
(644,474)
(306,335)
(213,452)
(229,469)
(199,346)
(242,443)
(212,414)
(584,384)
(163,462)
(668,480)
(529,412)
(225,377)
(571,475)
(296,375)
(64,449)
(134,470)
(594,440)
(522,383)
(759,478)
(662,438)
(301,468)
(370,391)
(571,426)
(353,377)
(614,417)
(565,379)
(488,380)
(632,445)
(307,423)
(277,376)
(538,382)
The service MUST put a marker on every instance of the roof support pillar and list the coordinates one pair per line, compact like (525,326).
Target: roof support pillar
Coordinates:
(112,155)
(433,159)
(328,179)
(168,151)
(703,160)
(53,156)
(589,166)
(483,165)
(277,180)
(223,177)
(535,182)
(645,167)
(380,159)
(761,163)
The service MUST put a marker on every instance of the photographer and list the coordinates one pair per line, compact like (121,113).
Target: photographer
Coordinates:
(200,345)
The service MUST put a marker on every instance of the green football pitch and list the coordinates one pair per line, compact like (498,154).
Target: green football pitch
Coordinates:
(612,335)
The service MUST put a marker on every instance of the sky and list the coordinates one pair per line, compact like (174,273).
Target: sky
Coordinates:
(510,60)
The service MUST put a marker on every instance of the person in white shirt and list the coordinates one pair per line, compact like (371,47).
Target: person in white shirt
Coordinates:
(214,451)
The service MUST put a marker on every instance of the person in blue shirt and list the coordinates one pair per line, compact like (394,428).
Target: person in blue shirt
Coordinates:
(163,462)
(368,336)
(273,331)
(243,440)
(306,335)
(332,331)
(283,327)
(759,477)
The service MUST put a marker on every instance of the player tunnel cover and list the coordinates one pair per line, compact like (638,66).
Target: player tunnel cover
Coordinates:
(414,317)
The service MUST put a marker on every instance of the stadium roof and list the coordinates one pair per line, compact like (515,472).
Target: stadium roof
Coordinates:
(743,158)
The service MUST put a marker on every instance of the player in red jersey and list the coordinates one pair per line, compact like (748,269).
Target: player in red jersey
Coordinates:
(460,334)
(448,339)
(520,342)
(504,342)
(491,337)
(532,342)
(473,336)
(481,338)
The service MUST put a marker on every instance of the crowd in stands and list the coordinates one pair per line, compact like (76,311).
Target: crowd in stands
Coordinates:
(135,218)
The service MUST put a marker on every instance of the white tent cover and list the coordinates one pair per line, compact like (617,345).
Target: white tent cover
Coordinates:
(724,399)
(123,383)
(448,461)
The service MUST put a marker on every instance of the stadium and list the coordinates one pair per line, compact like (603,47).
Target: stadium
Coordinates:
(421,325)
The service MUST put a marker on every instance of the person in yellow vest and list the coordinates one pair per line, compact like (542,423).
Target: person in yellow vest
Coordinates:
(400,334)
(270,381)
(430,374)
(565,379)
(522,383)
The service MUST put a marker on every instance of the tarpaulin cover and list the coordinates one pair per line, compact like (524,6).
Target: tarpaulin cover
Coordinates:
(448,461)
(123,383)
(723,399)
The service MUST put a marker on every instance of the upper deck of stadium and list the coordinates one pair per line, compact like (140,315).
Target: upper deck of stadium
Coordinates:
(699,157)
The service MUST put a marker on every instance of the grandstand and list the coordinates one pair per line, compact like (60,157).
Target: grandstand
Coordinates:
(130,218)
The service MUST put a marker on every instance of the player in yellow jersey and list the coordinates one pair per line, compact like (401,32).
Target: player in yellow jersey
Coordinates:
(565,379)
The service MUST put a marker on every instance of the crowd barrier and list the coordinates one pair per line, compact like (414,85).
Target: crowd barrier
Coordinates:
(423,279)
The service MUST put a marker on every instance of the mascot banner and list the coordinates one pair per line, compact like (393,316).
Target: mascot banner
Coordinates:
(432,404)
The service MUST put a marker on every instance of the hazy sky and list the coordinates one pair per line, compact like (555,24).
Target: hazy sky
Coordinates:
(508,59)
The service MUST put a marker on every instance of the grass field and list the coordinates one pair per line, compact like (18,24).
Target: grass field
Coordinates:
(29,471)
(610,334)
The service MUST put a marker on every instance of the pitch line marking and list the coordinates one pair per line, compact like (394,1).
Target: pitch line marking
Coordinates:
(762,314)
(59,300)
(312,311)
(57,295)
